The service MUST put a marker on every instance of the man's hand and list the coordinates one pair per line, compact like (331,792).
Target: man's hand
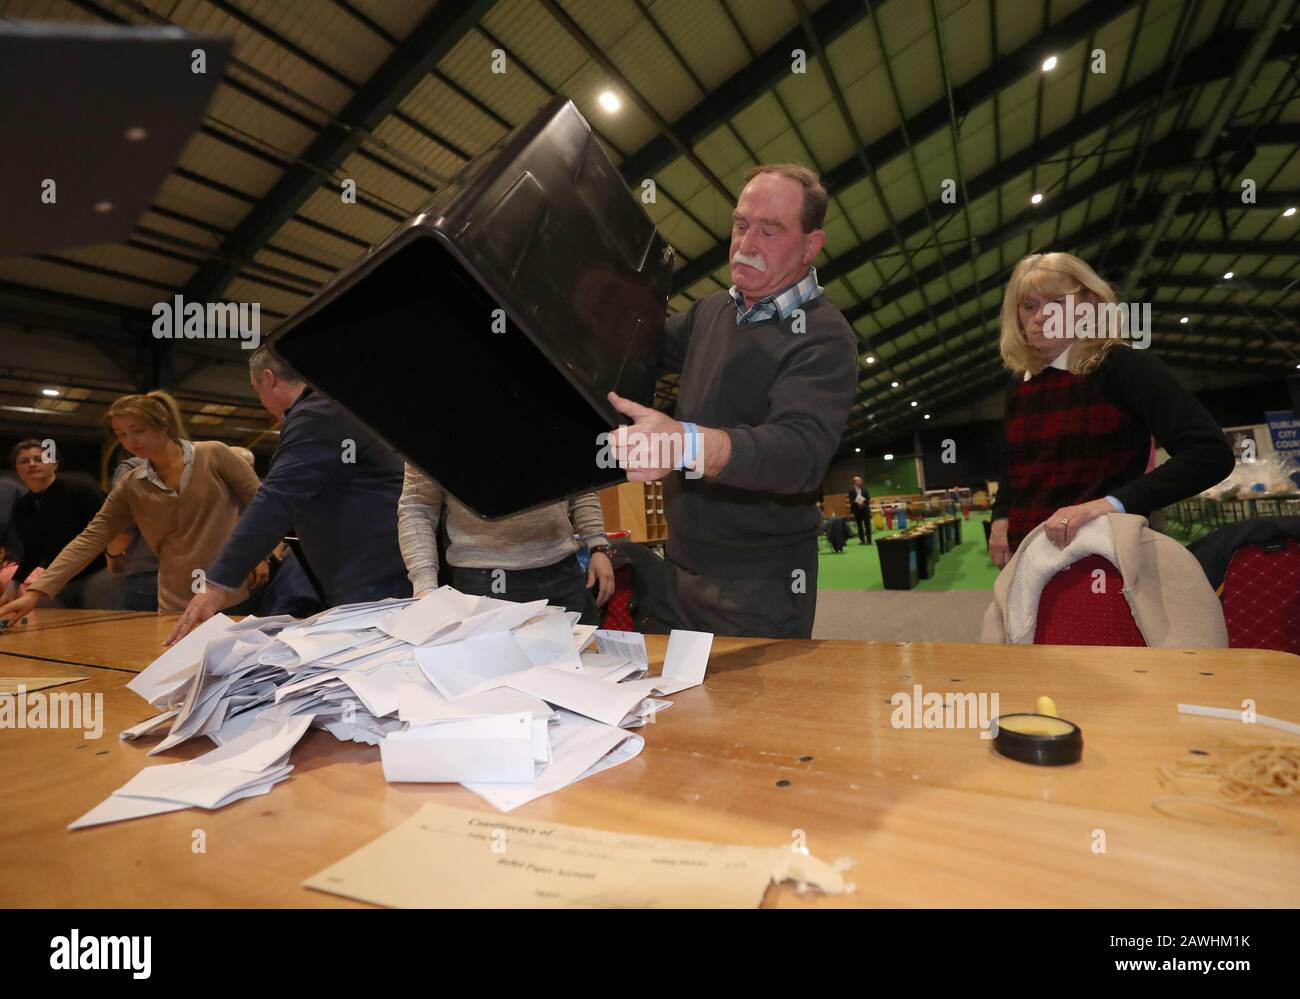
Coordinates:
(258,577)
(19,607)
(1063,525)
(601,570)
(650,447)
(999,550)
(201,607)
(646,448)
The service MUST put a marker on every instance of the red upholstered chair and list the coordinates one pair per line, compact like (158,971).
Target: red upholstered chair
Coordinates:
(1261,597)
(1070,613)
(616,614)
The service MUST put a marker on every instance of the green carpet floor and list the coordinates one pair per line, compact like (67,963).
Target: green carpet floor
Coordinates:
(858,566)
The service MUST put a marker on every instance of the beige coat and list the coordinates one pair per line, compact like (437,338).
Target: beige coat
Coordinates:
(1172,602)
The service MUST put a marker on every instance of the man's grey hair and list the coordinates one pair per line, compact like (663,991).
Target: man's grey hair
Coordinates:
(263,360)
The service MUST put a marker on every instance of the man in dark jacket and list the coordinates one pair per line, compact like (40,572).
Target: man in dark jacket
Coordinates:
(860,504)
(331,482)
(53,512)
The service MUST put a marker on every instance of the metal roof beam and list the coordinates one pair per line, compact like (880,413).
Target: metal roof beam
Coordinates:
(405,67)
(757,76)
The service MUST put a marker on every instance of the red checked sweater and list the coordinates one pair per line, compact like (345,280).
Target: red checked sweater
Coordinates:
(1075,438)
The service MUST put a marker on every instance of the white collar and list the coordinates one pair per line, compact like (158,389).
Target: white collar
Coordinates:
(1061,363)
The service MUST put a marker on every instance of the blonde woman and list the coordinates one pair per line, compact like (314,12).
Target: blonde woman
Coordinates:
(184,498)
(1084,409)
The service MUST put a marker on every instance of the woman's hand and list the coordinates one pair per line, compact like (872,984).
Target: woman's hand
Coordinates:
(999,549)
(18,608)
(601,570)
(1063,525)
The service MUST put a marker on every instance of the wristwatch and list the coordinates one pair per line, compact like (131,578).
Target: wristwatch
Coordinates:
(607,550)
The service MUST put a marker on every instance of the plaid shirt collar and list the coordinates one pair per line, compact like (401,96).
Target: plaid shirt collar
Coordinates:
(780,305)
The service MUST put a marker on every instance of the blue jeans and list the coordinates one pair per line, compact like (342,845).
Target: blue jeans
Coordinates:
(563,583)
(139,592)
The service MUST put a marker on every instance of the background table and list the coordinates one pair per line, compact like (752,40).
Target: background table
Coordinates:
(785,739)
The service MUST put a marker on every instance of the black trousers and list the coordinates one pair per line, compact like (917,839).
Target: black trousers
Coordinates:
(563,583)
(768,605)
(863,516)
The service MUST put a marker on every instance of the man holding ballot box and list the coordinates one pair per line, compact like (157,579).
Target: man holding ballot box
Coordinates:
(768,372)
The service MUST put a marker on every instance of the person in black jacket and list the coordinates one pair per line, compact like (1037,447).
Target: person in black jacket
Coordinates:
(860,504)
(331,482)
(52,513)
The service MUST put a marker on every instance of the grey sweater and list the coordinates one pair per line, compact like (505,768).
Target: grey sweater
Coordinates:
(526,540)
(783,398)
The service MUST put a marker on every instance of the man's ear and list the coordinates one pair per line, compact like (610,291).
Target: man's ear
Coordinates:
(813,244)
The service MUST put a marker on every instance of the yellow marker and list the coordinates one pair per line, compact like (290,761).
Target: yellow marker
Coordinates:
(1046,706)
(1039,725)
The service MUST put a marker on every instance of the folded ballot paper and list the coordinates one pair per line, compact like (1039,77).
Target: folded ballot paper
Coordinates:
(512,700)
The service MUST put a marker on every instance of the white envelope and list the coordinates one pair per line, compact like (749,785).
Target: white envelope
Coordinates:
(492,748)
(463,666)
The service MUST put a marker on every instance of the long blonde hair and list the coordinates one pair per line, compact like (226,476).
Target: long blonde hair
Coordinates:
(1053,275)
(156,408)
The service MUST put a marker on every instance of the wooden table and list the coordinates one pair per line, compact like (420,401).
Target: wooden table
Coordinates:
(783,737)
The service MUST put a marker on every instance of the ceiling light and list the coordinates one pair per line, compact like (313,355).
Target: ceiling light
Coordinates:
(927,416)
(893,384)
(1036,199)
(1227,276)
(1049,64)
(857,450)
(609,101)
(913,402)
(889,457)
(1184,320)
(1288,213)
(870,359)
(52,393)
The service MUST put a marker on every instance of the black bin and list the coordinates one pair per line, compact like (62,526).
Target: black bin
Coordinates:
(927,553)
(898,562)
(479,339)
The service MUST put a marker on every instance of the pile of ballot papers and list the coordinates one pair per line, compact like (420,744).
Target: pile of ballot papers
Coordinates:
(512,700)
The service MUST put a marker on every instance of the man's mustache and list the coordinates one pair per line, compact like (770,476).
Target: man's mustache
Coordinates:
(755,261)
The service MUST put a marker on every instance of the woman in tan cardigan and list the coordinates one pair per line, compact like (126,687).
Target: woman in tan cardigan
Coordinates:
(185,500)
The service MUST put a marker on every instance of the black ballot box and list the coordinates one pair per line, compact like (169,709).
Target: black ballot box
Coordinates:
(956,531)
(93,119)
(943,536)
(927,552)
(898,562)
(479,340)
